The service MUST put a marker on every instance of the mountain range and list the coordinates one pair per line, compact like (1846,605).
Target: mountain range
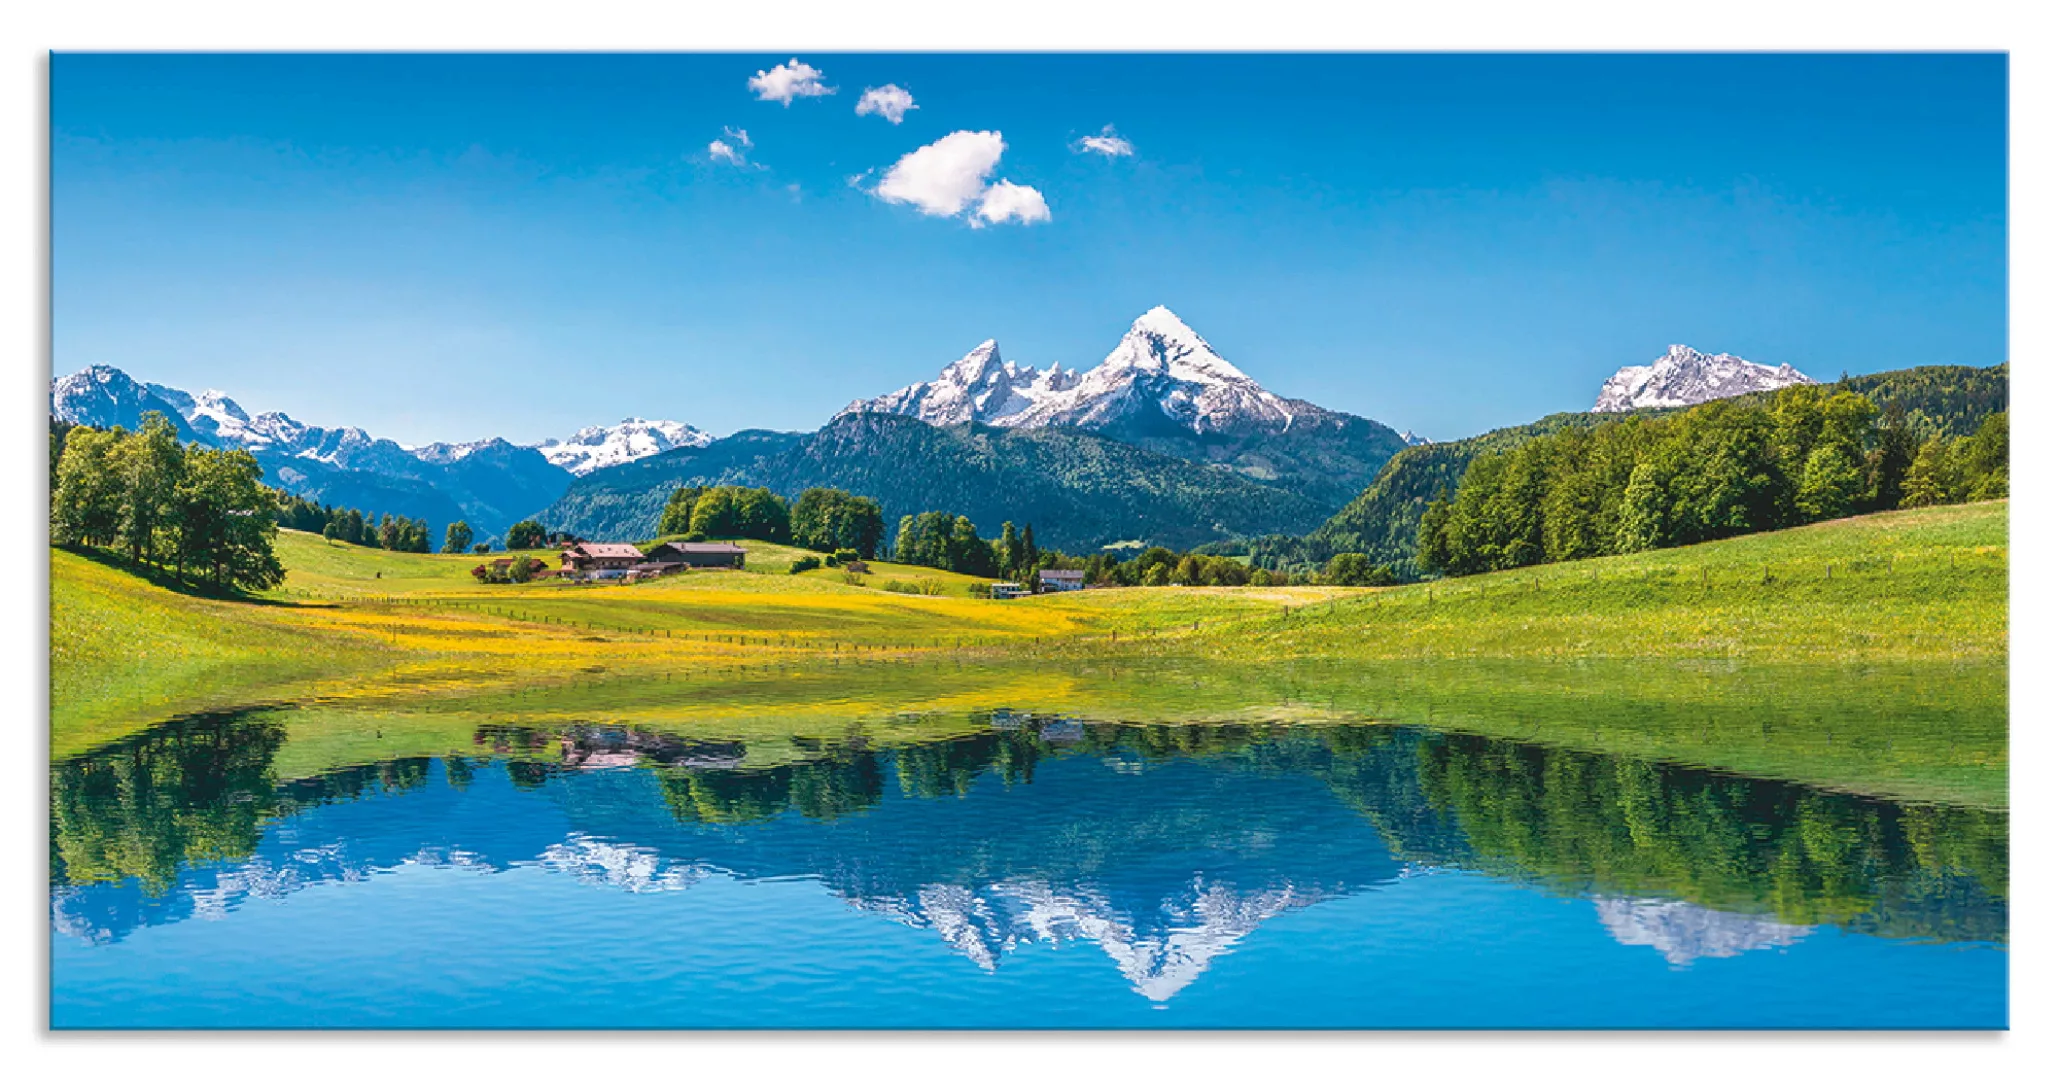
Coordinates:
(490,483)
(1163,441)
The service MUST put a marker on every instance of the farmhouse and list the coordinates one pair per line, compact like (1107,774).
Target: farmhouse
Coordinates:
(588,558)
(684,554)
(1062,580)
(1006,590)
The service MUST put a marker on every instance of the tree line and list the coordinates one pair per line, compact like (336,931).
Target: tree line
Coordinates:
(952,542)
(195,512)
(1724,468)
(821,519)
(352,526)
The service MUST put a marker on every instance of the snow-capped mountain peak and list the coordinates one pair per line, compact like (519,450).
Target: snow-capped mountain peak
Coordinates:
(979,387)
(1161,373)
(1161,343)
(598,447)
(1686,376)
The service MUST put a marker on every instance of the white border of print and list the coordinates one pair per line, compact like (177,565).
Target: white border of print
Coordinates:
(822,25)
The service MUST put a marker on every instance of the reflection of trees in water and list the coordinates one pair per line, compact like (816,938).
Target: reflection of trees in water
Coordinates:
(846,781)
(1591,822)
(189,791)
(201,789)
(194,790)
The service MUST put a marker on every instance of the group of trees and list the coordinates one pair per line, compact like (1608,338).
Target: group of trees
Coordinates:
(947,542)
(389,532)
(699,513)
(952,543)
(191,510)
(352,526)
(831,519)
(1725,468)
(1162,566)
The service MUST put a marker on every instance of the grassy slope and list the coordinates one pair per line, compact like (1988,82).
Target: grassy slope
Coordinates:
(1928,584)
(120,646)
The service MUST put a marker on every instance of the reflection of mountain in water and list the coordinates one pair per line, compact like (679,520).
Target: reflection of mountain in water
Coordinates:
(1163,846)
(1687,932)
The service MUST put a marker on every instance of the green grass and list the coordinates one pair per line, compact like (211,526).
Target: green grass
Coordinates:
(120,646)
(1867,654)
(1920,585)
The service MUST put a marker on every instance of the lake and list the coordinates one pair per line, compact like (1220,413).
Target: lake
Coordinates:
(988,866)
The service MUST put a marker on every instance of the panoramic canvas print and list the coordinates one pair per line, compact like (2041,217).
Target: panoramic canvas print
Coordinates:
(817,540)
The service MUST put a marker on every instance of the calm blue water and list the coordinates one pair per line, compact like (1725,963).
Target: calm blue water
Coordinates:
(1044,874)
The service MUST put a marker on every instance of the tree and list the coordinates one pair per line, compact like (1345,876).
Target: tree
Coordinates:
(523,569)
(762,515)
(329,531)
(1929,482)
(224,527)
(1985,462)
(150,463)
(1832,482)
(677,519)
(457,536)
(59,430)
(1887,467)
(86,508)
(1008,549)
(526,535)
(1644,512)
(1433,550)
(716,513)
(1354,568)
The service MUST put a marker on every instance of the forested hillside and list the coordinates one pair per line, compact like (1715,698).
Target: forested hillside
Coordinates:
(1939,401)
(1081,491)
(1726,468)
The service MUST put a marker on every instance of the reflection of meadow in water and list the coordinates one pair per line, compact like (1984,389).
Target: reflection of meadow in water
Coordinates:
(1162,845)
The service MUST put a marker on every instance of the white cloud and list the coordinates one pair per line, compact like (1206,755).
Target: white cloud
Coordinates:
(889,101)
(788,81)
(1007,201)
(941,178)
(723,152)
(1107,144)
(739,136)
(949,177)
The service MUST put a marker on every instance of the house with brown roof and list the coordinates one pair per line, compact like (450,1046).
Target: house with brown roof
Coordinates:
(588,558)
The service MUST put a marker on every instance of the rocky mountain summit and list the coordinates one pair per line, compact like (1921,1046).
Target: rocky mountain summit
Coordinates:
(1685,376)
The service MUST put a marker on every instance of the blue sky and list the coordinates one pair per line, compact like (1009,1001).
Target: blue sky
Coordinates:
(449,247)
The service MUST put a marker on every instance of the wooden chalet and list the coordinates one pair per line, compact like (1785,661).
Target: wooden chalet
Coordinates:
(588,558)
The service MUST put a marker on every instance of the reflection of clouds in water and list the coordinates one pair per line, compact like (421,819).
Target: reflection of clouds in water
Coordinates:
(1203,922)
(622,866)
(1685,932)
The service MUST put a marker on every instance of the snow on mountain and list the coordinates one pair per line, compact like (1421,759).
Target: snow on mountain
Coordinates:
(1162,371)
(1686,932)
(443,453)
(1410,438)
(1685,376)
(599,447)
(980,387)
(1159,957)
(107,396)
(104,396)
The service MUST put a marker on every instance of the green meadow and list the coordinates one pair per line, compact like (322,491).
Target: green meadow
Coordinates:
(1867,655)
